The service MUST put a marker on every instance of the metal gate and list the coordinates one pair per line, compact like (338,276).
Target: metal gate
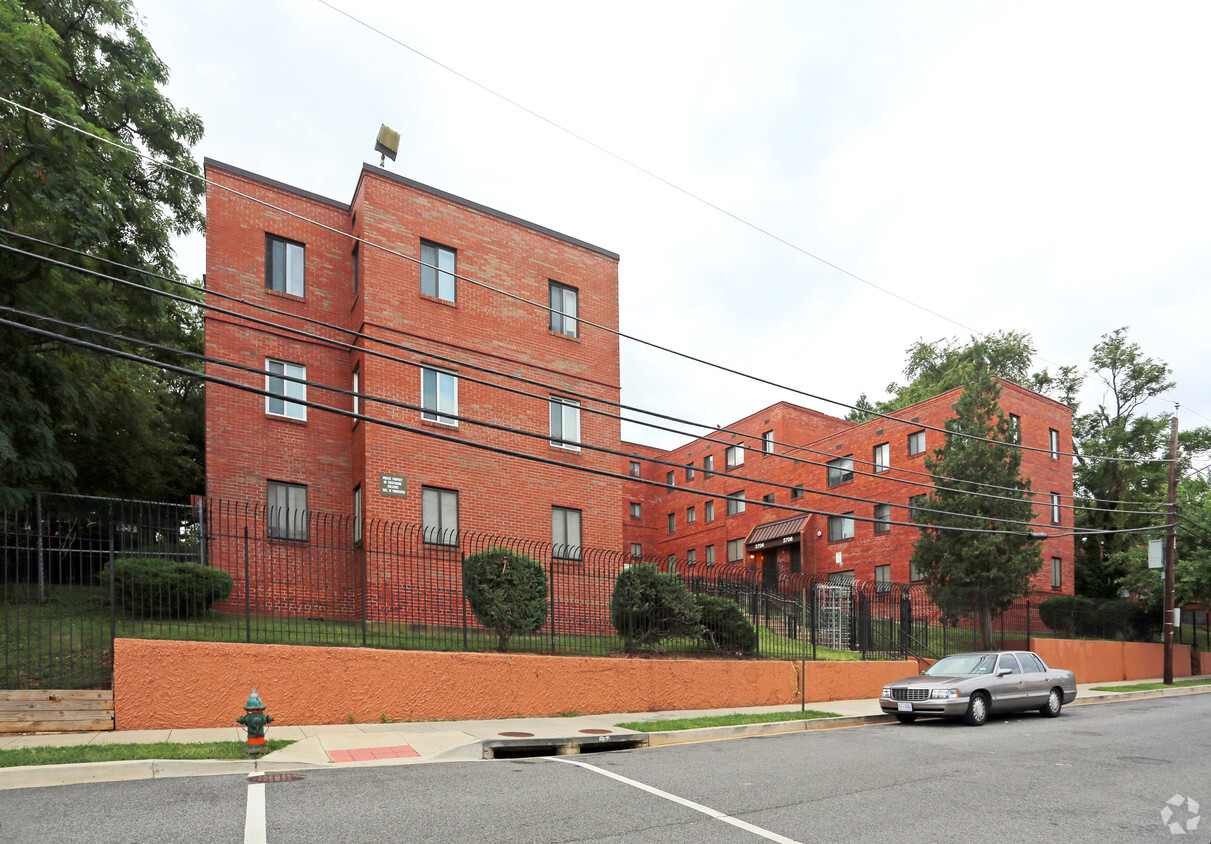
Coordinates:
(834,615)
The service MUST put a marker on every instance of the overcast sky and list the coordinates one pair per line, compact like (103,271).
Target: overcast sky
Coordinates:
(1039,167)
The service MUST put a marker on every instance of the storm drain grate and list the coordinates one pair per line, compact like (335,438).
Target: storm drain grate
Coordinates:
(276,778)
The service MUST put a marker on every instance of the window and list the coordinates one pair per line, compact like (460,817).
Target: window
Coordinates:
(841,470)
(840,527)
(636,510)
(914,507)
(882,457)
(1053,438)
(283,265)
(565,423)
(357,268)
(636,550)
(670,479)
(437,271)
(439,394)
(1057,572)
(277,404)
(439,516)
(671,560)
(708,555)
(564,311)
(735,550)
(1055,508)
(636,471)
(841,576)
(690,515)
(734,456)
(1030,663)
(357,391)
(708,465)
(1015,428)
(287,510)
(1010,662)
(768,498)
(691,556)
(735,503)
(882,518)
(883,578)
(565,533)
(916,443)
(797,491)
(767,442)
(708,511)
(689,471)
(357,513)
(672,522)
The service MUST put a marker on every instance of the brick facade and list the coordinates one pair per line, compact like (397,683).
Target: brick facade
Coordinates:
(803,442)
(376,321)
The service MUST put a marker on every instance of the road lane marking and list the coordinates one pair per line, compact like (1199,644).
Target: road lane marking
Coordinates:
(690,804)
(254,818)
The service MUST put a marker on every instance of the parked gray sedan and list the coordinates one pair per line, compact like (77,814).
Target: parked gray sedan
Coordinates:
(970,686)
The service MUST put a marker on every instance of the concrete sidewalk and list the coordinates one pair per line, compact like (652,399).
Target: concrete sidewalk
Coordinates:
(354,745)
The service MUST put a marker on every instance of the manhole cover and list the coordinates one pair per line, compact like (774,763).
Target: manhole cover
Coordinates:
(276,778)
(596,732)
(517,735)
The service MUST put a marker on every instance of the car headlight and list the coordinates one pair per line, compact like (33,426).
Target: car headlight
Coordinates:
(944,694)
(886,691)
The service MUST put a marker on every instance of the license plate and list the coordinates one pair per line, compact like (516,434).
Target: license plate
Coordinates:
(904,706)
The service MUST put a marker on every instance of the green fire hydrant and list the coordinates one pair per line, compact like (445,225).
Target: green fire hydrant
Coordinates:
(254,720)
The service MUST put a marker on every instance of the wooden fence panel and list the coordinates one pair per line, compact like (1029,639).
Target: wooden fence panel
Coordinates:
(56,710)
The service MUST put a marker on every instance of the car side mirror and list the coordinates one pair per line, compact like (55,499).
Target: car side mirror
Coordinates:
(1001,672)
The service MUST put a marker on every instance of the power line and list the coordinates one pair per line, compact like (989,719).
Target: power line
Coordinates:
(547,308)
(62,338)
(428,354)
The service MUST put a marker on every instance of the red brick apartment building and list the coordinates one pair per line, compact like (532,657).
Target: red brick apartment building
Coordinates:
(423,348)
(724,494)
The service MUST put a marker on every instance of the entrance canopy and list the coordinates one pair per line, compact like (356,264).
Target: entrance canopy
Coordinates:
(774,534)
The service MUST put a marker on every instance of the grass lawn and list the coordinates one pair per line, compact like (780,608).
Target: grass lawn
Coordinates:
(21,756)
(724,720)
(1151,687)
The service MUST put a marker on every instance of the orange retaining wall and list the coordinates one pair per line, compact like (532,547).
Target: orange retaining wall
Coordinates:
(181,685)
(1101,662)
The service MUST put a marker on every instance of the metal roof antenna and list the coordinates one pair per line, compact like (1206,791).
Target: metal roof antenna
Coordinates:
(387,144)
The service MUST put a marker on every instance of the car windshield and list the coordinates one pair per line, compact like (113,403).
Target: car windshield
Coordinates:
(964,664)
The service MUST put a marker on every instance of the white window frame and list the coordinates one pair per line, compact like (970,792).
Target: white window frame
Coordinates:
(567,539)
(708,466)
(735,503)
(636,550)
(736,547)
(436,504)
(357,513)
(917,441)
(881,458)
(883,578)
(636,470)
(691,556)
(1055,508)
(882,519)
(286,511)
(1053,439)
(840,470)
(689,471)
(708,555)
(767,442)
(1057,572)
(564,302)
(733,458)
(841,527)
(286,394)
(438,271)
(357,391)
(636,510)
(708,511)
(441,397)
(565,423)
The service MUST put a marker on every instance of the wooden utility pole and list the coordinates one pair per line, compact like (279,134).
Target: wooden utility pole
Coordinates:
(1170,550)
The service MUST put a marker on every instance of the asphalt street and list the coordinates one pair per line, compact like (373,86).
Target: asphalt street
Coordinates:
(1098,773)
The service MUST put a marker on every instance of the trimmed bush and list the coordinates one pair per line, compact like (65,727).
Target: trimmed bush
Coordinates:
(1070,614)
(149,587)
(649,606)
(724,626)
(507,592)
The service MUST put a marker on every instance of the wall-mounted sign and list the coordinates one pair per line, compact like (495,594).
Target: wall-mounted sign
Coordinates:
(392,484)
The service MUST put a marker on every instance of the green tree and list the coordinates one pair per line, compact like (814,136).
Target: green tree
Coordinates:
(648,606)
(942,365)
(507,592)
(1127,492)
(72,419)
(976,573)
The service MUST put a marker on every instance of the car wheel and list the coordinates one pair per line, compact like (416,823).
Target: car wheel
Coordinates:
(1055,701)
(905,718)
(977,709)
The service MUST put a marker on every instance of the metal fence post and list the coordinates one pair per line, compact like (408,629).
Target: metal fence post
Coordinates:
(41,558)
(113,619)
(551,608)
(361,554)
(247,590)
(1028,626)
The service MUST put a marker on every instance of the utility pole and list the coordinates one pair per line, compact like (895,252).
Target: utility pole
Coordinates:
(1170,550)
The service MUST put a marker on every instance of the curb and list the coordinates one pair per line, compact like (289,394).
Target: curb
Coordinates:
(41,776)
(765,728)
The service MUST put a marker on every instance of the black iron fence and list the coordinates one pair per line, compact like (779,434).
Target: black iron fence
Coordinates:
(79,572)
